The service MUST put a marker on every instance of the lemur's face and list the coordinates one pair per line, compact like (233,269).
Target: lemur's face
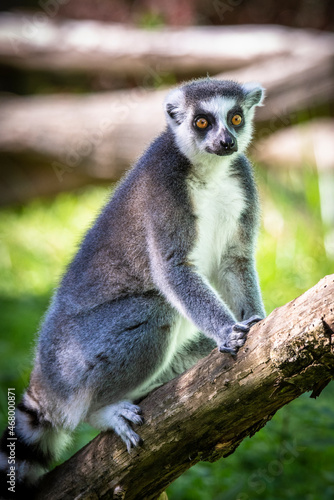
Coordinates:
(213,117)
(216,125)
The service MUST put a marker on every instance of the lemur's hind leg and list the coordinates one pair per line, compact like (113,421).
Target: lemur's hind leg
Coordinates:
(187,357)
(118,417)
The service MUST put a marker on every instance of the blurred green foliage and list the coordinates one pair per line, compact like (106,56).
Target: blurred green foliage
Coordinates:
(292,457)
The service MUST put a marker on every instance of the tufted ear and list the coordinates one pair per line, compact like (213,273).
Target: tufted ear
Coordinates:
(174,105)
(254,94)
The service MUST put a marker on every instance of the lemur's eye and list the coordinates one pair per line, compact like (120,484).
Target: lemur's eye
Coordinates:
(202,123)
(236,120)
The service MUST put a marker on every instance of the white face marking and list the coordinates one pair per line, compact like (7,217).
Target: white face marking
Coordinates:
(219,106)
(195,146)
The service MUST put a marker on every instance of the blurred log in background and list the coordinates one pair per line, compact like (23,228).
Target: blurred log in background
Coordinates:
(63,140)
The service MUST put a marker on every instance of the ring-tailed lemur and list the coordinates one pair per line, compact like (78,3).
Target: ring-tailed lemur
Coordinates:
(166,273)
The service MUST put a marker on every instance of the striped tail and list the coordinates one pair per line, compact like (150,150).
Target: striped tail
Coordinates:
(27,449)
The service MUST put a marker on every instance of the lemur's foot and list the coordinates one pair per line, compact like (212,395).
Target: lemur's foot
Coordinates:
(118,417)
(236,335)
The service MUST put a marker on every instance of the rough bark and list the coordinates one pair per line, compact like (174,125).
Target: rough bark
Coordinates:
(89,46)
(206,412)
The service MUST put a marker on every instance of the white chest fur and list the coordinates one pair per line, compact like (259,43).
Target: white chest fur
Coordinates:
(218,205)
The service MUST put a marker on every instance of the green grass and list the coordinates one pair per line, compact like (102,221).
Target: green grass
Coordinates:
(292,456)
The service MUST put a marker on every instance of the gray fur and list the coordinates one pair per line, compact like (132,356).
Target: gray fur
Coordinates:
(129,310)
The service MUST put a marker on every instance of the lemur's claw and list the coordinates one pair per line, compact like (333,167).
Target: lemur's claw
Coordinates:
(244,326)
(240,327)
(236,335)
(228,350)
(252,320)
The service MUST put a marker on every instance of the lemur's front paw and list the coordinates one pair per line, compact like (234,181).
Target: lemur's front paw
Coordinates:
(236,335)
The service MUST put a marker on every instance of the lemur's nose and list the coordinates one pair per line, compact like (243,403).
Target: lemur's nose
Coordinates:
(228,143)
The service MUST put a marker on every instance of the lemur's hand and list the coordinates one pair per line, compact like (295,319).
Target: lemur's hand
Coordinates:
(235,335)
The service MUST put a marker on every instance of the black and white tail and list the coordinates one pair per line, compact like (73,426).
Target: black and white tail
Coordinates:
(27,449)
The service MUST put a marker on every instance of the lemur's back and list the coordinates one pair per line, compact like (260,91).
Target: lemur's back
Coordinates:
(114,249)
(166,273)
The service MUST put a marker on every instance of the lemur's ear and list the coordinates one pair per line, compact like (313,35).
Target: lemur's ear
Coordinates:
(254,94)
(173,106)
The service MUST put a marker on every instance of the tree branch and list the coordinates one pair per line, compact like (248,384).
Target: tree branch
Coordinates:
(205,413)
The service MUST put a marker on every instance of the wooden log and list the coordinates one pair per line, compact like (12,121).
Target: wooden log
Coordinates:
(37,41)
(98,136)
(309,143)
(205,413)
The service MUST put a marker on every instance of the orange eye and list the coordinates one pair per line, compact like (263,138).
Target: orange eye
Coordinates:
(202,123)
(236,120)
